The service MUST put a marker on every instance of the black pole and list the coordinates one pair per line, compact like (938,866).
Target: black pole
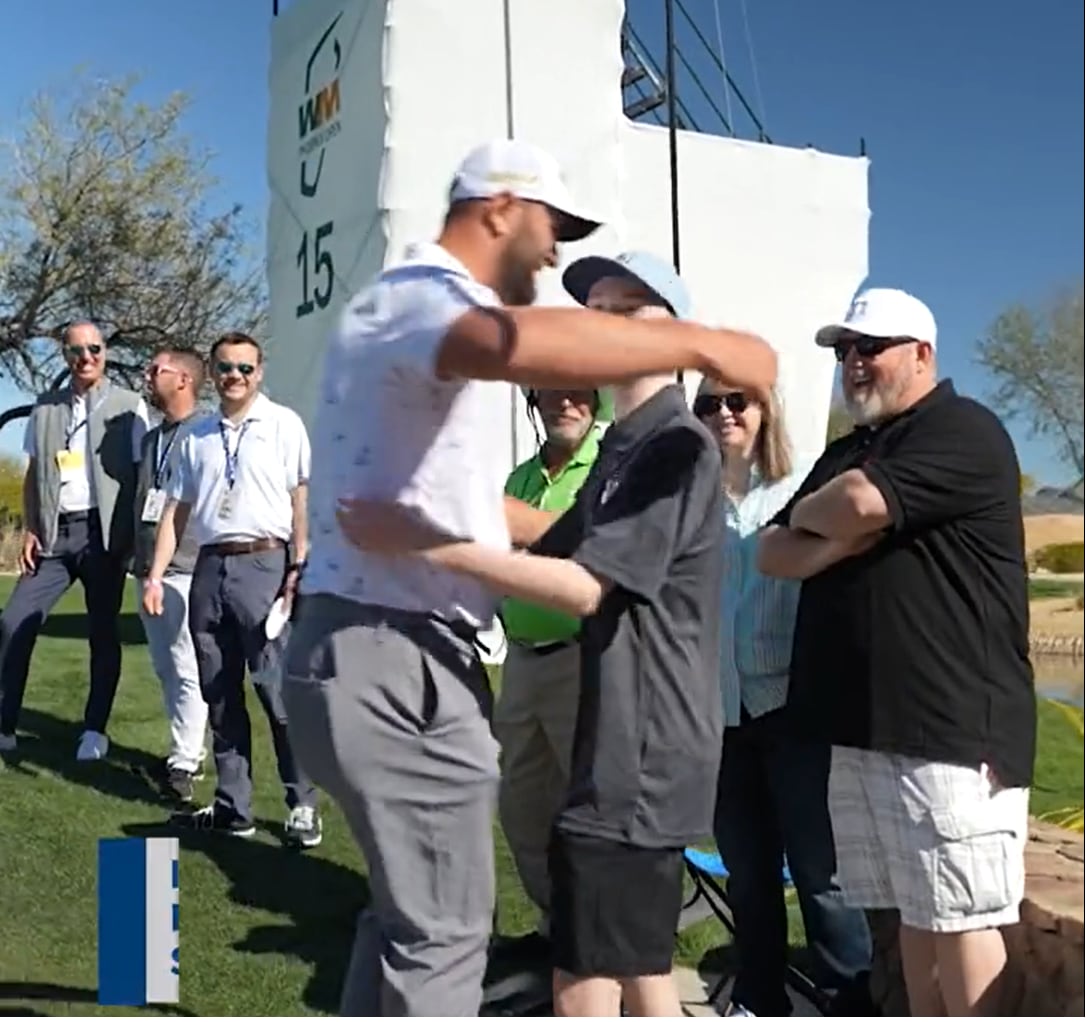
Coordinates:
(671,129)
(671,119)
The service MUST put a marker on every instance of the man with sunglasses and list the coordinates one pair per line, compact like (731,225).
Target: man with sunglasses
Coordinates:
(535,711)
(175,377)
(911,652)
(83,444)
(240,484)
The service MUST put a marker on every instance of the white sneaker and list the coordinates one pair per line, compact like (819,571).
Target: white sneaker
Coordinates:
(7,743)
(92,746)
(303,827)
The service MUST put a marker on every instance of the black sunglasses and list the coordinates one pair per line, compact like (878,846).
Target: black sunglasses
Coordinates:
(223,368)
(709,404)
(78,350)
(868,347)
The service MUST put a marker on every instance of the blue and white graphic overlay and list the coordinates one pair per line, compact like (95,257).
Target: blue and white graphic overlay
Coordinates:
(138,921)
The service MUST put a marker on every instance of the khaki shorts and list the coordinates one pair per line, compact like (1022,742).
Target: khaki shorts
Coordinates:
(943,844)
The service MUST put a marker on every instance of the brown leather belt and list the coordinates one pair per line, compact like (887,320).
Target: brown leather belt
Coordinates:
(244,546)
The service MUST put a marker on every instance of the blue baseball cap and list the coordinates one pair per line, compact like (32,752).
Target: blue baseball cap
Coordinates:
(650,272)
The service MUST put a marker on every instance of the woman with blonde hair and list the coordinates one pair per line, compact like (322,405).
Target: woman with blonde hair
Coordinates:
(773,787)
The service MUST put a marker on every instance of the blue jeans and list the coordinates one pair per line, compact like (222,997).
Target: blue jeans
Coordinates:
(772,800)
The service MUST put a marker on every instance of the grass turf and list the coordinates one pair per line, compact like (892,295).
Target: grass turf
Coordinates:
(263,931)
(1048,588)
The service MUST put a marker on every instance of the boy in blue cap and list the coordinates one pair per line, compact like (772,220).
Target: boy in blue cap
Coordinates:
(638,557)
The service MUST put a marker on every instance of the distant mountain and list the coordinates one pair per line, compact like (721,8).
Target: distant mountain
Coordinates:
(1055,500)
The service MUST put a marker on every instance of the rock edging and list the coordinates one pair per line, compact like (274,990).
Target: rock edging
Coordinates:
(1053,645)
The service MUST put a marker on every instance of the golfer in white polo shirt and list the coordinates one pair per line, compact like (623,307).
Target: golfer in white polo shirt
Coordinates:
(388,704)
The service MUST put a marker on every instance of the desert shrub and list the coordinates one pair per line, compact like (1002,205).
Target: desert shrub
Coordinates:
(1061,558)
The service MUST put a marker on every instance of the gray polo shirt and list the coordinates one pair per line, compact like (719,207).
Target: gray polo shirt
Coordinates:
(650,725)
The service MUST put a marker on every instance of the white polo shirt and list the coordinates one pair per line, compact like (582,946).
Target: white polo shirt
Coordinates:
(389,429)
(267,455)
(78,492)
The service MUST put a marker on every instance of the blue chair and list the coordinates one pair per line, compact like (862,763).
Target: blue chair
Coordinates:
(709,875)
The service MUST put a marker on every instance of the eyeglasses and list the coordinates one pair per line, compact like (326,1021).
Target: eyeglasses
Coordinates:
(708,404)
(223,368)
(868,347)
(157,370)
(79,350)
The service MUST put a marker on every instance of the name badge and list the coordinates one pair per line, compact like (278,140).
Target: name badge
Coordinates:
(227,505)
(71,465)
(154,503)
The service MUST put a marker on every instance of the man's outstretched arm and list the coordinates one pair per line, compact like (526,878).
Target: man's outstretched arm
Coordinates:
(556,347)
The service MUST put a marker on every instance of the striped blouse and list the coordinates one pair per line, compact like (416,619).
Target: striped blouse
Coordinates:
(758,612)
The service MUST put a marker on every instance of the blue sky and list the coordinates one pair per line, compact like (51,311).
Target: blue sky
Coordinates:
(972,113)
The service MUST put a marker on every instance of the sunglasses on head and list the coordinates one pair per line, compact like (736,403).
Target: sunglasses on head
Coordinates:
(223,368)
(78,350)
(868,347)
(708,404)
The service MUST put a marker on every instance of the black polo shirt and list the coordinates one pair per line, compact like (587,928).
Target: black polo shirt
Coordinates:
(650,519)
(920,646)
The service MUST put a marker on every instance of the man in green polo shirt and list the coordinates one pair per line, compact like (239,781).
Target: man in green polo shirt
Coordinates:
(535,714)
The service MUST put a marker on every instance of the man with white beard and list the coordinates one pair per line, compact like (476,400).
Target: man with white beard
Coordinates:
(911,652)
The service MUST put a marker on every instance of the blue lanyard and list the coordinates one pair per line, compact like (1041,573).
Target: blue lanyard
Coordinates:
(161,455)
(232,459)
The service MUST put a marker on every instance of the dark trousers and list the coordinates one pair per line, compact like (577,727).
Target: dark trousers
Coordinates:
(79,555)
(772,800)
(229,599)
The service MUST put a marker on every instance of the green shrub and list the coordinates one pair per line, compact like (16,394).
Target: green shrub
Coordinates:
(1061,558)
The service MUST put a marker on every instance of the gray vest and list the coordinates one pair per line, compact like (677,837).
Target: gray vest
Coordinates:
(154,473)
(111,416)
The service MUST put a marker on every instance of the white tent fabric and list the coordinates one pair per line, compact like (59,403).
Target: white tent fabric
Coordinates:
(374,102)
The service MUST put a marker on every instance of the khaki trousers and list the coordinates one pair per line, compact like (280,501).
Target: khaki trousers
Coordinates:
(534,722)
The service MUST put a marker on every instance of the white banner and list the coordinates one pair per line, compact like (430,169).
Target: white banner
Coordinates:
(325,233)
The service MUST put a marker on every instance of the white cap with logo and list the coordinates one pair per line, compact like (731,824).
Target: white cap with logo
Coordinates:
(526,172)
(883,312)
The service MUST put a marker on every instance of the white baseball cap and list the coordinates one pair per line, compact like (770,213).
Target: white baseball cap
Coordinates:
(883,312)
(527,172)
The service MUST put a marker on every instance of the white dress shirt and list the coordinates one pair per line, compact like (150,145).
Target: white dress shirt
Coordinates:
(267,455)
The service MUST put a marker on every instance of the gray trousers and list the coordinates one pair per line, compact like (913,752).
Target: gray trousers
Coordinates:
(389,712)
(79,554)
(229,599)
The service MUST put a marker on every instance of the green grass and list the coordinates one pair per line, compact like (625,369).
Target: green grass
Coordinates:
(1048,588)
(263,931)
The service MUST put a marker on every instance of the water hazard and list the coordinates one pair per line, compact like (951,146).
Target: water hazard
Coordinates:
(1061,677)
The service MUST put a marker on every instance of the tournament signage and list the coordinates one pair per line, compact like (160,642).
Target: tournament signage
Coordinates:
(323,201)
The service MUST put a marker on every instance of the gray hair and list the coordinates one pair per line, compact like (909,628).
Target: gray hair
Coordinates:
(67,329)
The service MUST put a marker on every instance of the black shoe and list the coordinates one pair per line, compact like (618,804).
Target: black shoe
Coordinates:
(214,819)
(180,784)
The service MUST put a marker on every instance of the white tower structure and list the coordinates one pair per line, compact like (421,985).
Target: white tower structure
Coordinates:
(374,103)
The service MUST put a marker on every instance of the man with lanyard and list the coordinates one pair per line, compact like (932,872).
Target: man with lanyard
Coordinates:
(243,475)
(82,442)
(535,714)
(174,380)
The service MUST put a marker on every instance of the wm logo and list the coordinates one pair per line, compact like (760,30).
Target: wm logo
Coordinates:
(320,109)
